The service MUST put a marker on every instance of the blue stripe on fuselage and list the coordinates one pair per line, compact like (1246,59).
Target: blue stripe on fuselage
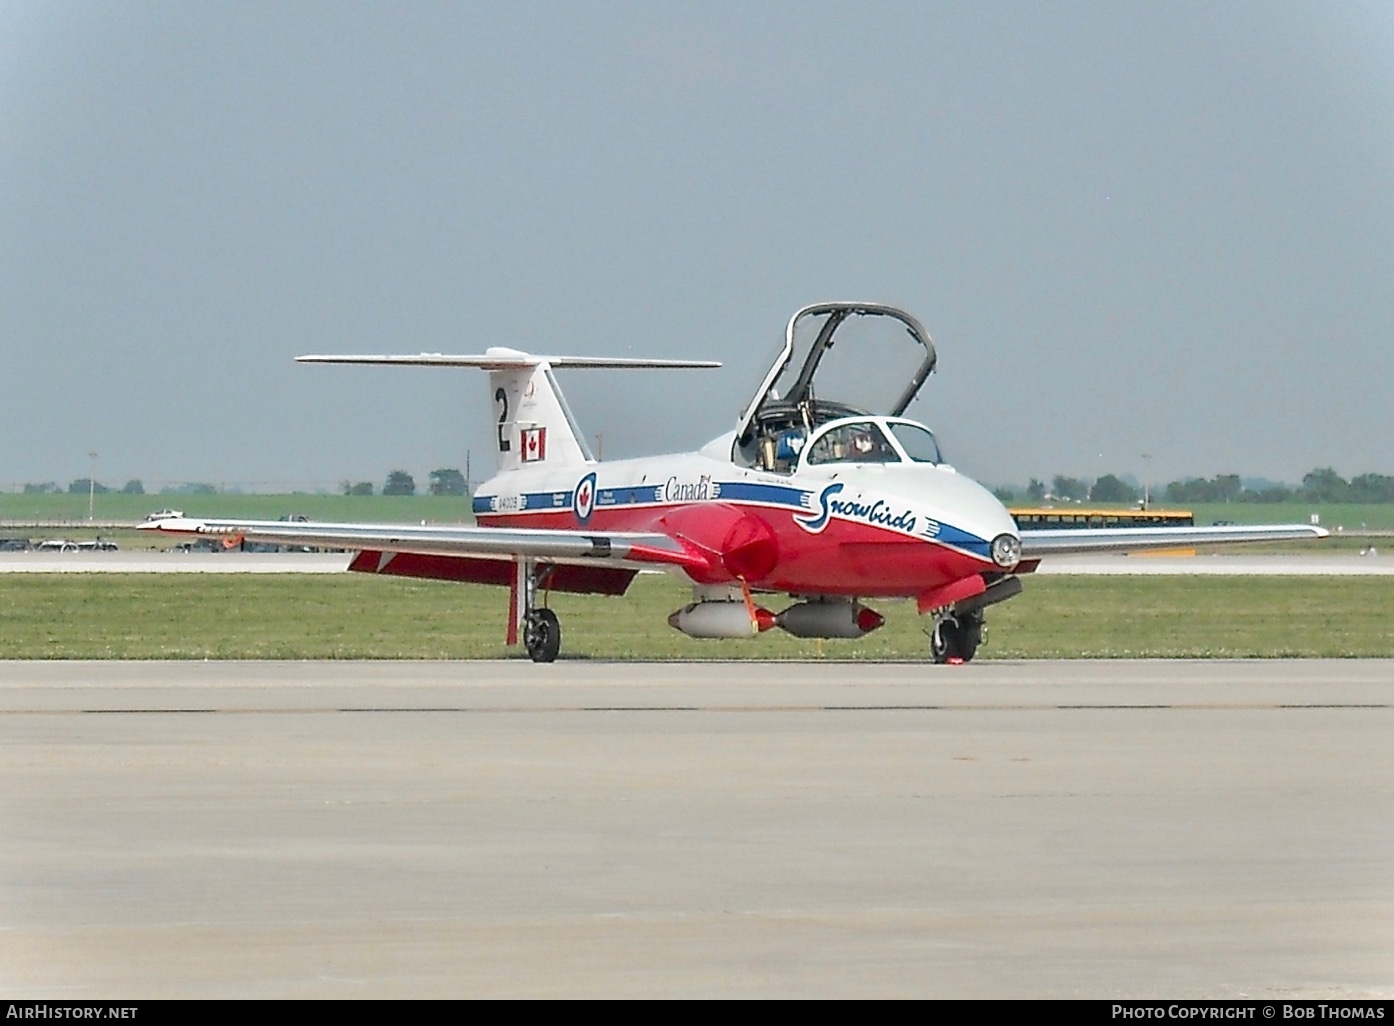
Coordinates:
(648,495)
(963,540)
(640,495)
(547,500)
(772,494)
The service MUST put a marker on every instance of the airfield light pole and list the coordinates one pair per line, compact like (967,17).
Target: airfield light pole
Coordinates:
(91,486)
(1147,480)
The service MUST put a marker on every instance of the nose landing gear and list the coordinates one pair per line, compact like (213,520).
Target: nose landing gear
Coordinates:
(955,637)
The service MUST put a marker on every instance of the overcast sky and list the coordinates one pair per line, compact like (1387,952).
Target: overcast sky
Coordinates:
(1162,228)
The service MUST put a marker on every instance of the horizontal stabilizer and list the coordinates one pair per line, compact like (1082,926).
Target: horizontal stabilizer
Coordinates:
(501,358)
(534,425)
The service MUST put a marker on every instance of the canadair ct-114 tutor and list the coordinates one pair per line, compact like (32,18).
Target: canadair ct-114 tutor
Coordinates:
(829,495)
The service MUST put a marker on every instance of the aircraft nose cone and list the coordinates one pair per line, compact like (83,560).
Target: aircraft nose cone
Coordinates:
(985,524)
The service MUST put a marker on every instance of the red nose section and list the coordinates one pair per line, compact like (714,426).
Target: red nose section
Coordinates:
(735,543)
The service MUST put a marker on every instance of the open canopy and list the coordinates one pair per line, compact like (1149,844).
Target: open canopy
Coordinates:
(837,360)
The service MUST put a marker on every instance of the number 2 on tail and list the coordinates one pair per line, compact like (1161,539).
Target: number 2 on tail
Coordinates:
(501,397)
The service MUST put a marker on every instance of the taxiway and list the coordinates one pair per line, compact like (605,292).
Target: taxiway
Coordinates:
(1032,829)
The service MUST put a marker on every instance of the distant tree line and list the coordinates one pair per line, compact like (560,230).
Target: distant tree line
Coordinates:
(1110,488)
(1321,485)
(83,486)
(444,481)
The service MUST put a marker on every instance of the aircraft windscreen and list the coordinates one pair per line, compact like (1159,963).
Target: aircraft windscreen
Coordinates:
(918,442)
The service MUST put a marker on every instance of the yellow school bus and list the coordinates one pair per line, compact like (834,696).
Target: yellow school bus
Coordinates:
(1078,516)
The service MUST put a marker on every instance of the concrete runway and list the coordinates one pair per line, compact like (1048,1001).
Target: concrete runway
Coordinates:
(1035,829)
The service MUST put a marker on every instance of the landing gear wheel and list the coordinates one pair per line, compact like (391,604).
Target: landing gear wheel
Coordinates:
(954,639)
(970,635)
(542,635)
(941,640)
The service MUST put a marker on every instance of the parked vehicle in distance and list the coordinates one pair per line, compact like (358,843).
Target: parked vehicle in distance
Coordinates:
(161,514)
(57,545)
(202,545)
(15,545)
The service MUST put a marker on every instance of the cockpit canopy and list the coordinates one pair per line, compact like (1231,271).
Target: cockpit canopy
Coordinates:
(856,440)
(866,360)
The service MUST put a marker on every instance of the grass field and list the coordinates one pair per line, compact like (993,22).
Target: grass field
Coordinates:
(1347,516)
(226,616)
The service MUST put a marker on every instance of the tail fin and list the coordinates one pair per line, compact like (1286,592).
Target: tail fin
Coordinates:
(534,425)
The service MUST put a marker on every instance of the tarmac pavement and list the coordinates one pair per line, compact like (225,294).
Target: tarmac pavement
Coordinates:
(1032,829)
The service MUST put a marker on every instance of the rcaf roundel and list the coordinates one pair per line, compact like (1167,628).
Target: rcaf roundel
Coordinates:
(583,499)
(534,444)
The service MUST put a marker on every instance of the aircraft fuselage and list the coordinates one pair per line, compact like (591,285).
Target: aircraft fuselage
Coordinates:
(841,529)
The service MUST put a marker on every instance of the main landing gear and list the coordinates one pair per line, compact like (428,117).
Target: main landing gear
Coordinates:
(542,635)
(540,627)
(955,637)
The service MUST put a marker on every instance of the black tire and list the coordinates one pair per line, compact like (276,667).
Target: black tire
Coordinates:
(944,641)
(542,635)
(953,639)
(941,641)
(970,636)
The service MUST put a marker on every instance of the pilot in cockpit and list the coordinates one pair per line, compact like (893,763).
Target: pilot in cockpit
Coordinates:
(861,442)
(789,444)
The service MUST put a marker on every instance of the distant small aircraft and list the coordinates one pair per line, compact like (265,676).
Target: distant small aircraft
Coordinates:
(829,495)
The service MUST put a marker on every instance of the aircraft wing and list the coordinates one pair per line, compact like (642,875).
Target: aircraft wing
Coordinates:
(608,548)
(1068,541)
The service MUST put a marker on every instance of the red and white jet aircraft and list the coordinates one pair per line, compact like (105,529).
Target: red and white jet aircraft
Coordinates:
(829,495)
